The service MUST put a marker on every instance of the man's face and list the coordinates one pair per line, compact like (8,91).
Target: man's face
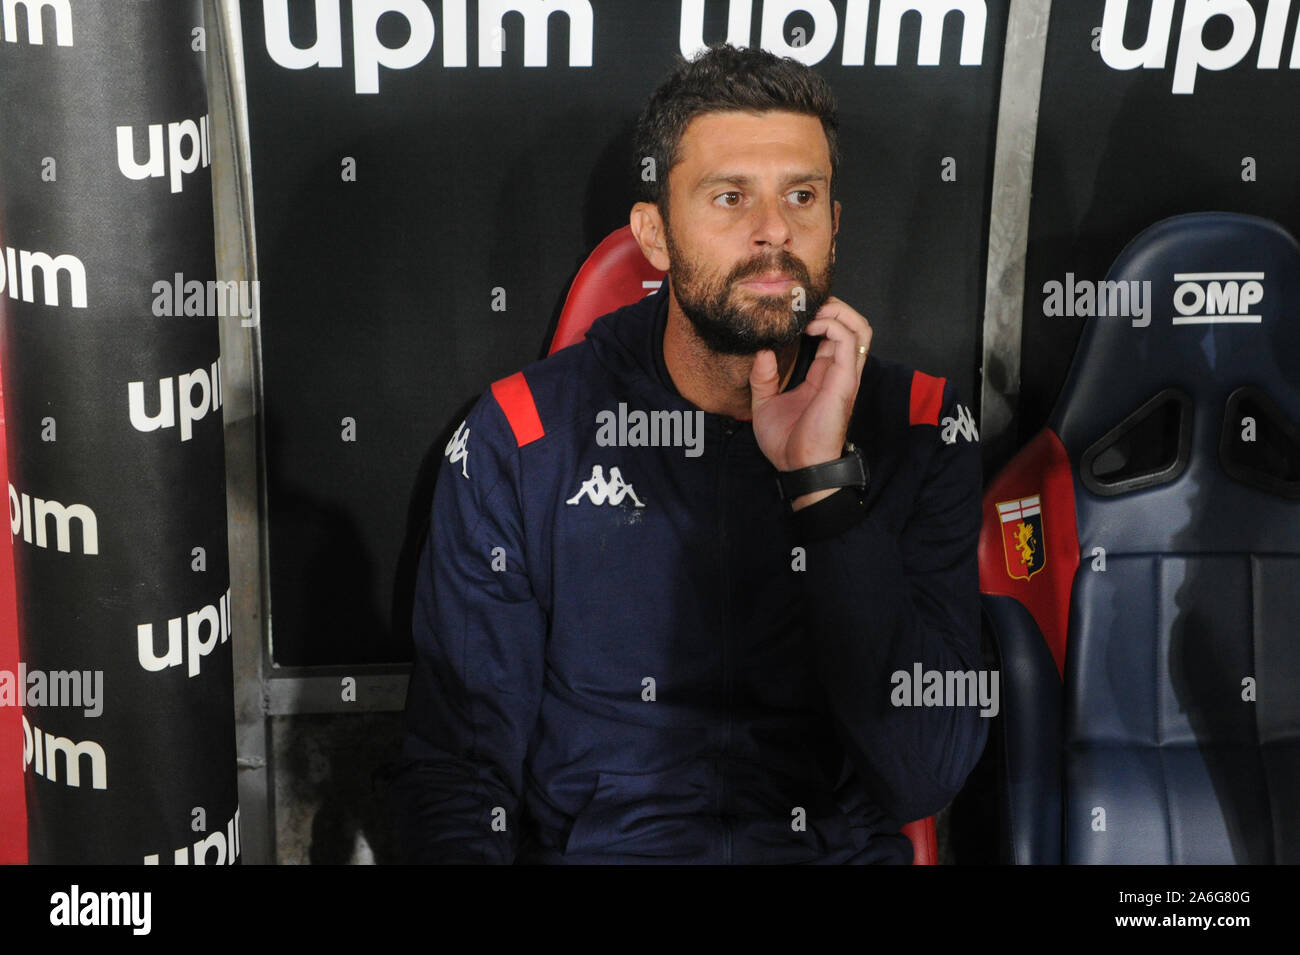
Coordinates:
(750,225)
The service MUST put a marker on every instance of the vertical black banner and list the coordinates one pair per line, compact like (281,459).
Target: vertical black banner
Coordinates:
(113,403)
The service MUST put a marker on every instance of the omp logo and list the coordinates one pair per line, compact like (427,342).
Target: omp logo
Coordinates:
(26,513)
(187,150)
(18,275)
(225,843)
(369,53)
(1210,298)
(41,752)
(34,10)
(213,618)
(931,14)
(178,401)
(1193,54)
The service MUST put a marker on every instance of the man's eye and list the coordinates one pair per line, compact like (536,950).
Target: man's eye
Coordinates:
(803,197)
(726,196)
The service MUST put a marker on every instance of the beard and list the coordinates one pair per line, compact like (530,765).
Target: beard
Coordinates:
(732,322)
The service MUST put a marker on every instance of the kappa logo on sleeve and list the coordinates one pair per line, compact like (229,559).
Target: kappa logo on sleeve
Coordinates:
(1022,536)
(600,490)
(963,426)
(457,449)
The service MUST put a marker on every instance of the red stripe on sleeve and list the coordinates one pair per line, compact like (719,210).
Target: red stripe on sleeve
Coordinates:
(516,400)
(927,398)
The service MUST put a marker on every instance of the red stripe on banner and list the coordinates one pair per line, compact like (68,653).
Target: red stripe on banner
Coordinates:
(13,800)
(516,400)
(927,398)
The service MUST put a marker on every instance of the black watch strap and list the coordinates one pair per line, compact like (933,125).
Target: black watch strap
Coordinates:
(849,470)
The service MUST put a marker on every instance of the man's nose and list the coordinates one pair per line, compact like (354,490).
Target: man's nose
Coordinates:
(771,225)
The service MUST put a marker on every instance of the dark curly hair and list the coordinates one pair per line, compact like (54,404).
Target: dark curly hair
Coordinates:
(725,77)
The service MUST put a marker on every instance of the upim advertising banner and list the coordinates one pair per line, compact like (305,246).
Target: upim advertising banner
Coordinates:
(112,391)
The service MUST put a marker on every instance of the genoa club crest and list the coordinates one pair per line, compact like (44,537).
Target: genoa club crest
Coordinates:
(1022,536)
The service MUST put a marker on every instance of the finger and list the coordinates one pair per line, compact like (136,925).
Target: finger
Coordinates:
(838,309)
(860,327)
(823,359)
(815,377)
(834,331)
(764,381)
(864,346)
(847,359)
(862,336)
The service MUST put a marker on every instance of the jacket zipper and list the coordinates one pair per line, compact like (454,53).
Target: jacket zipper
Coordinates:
(728,431)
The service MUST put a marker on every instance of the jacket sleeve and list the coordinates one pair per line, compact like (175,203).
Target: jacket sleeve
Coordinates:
(479,637)
(887,593)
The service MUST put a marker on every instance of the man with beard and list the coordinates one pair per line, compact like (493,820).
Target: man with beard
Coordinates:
(632,653)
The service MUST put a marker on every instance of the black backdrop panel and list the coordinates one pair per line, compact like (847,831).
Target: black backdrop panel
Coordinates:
(378,289)
(1119,149)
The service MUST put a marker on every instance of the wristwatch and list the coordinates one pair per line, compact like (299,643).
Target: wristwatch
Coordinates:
(848,470)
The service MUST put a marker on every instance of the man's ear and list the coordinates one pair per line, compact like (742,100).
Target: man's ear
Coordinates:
(835,227)
(648,229)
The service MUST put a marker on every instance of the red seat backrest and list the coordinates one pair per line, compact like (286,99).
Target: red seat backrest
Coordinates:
(615,274)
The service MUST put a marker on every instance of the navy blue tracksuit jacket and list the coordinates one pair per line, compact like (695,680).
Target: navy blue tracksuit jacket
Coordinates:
(631,653)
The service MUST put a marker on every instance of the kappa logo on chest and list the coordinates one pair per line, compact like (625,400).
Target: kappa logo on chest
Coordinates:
(600,490)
